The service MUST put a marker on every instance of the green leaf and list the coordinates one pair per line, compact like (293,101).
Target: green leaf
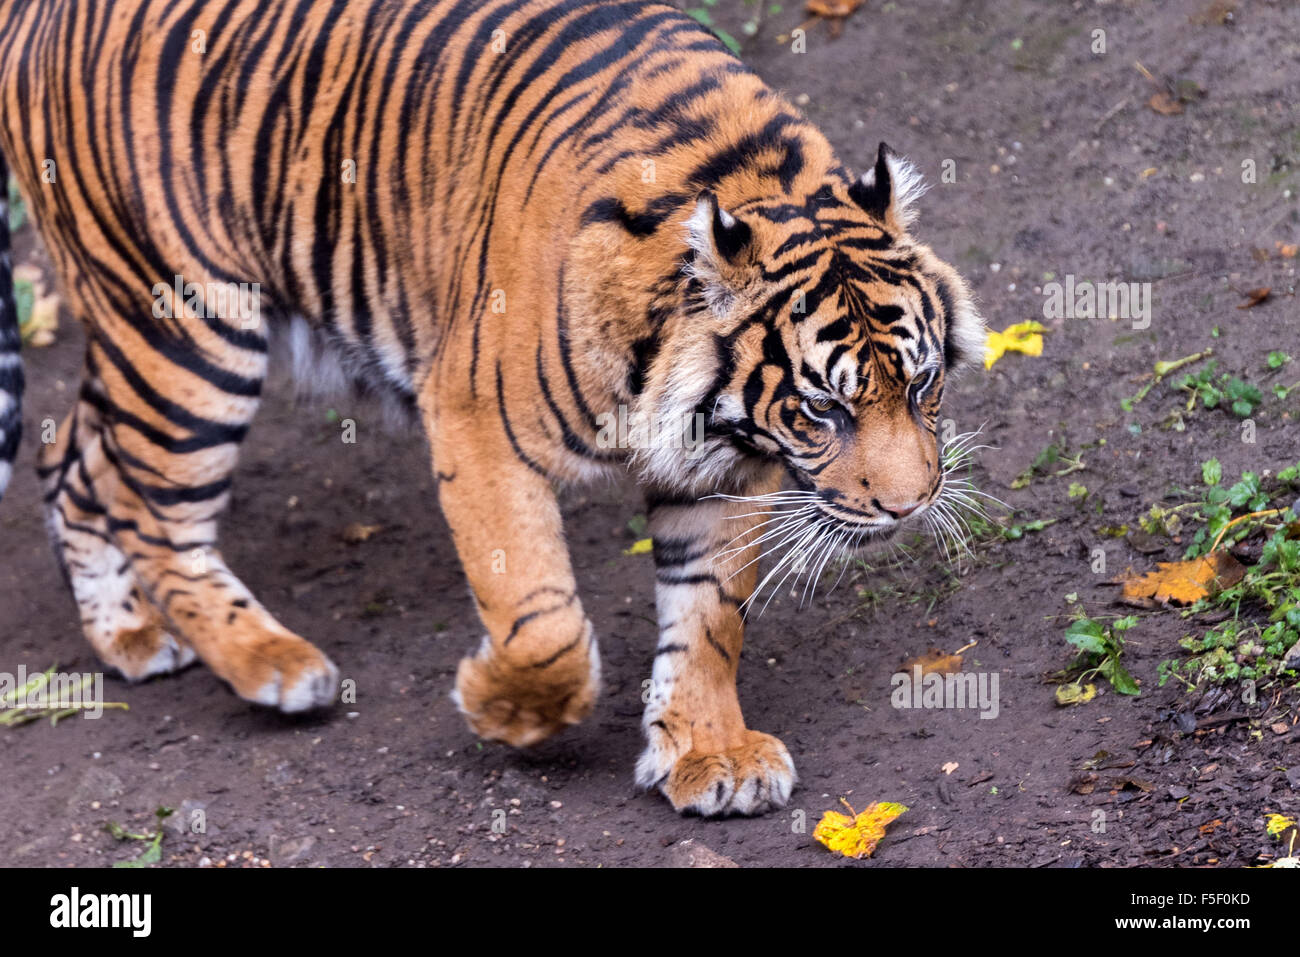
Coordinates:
(17,210)
(1211,472)
(1121,680)
(1087,635)
(24,300)
(151,855)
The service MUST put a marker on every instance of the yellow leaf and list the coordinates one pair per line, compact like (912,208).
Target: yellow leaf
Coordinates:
(356,533)
(642,546)
(1288,831)
(1183,583)
(856,836)
(1075,693)
(1277,823)
(1023,337)
(40,327)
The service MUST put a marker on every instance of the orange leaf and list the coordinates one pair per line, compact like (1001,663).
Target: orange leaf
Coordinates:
(1182,583)
(1256,296)
(833,9)
(934,661)
(1164,104)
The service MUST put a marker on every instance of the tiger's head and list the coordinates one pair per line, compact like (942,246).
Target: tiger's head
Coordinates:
(819,334)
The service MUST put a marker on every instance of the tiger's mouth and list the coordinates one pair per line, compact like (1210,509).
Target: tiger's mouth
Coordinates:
(858,533)
(860,538)
(855,538)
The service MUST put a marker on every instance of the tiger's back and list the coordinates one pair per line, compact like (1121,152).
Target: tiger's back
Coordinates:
(379,168)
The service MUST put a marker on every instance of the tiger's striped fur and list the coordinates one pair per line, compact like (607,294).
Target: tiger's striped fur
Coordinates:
(516,217)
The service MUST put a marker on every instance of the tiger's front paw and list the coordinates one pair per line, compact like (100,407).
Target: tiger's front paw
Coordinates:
(279,670)
(523,705)
(753,778)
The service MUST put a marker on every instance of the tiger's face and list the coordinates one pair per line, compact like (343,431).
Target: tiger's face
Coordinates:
(831,334)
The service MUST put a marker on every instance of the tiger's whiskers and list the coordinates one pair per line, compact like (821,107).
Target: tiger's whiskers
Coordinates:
(805,540)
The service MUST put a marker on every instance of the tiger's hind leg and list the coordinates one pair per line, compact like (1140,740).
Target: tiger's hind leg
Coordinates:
(127,632)
(135,486)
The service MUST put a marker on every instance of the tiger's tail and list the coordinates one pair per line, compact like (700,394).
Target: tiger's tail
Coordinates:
(11,363)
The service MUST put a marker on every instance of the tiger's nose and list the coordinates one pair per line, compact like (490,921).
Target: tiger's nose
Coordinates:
(901,511)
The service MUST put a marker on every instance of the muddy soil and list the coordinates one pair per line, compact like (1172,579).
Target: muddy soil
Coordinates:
(1059,168)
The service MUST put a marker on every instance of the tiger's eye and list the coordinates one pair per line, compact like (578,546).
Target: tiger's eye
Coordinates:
(821,404)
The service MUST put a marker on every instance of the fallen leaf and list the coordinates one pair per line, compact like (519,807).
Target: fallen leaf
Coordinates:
(1083,783)
(1279,727)
(1276,824)
(1165,104)
(833,9)
(1287,250)
(1074,693)
(950,767)
(1024,337)
(1286,830)
(642,546)
(1183,583)
(40,327)
(1256,296)
(356,533)
(1217,13)
(857,835)
(934,661)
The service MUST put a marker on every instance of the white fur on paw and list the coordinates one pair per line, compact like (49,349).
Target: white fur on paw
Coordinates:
(314,687)
(759,794)
(172,656)
(736,783)
(656,761)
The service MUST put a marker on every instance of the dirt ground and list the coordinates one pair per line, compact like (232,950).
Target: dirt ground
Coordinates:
(1062,168)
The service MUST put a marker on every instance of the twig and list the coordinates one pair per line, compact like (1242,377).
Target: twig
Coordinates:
(1268,513)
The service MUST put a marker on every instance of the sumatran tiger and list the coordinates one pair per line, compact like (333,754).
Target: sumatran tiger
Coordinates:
(572,237)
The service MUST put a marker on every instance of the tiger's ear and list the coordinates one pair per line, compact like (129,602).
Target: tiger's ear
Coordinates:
(889,190)
(719,241)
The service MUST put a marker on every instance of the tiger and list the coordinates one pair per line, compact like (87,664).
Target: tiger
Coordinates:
(512,220)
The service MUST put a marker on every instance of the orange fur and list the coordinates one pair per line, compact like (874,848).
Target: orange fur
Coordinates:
(519,219)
